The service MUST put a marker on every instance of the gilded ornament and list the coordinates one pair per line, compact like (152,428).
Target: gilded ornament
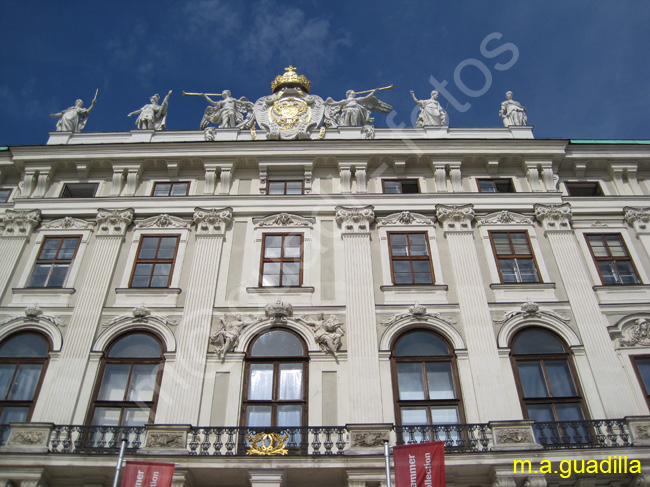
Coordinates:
(267,444)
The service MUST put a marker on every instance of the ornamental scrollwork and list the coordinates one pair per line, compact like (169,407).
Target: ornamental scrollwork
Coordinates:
(283,220)
(554,217)
(505,217)
(456,217)
(268,444)
(514,435)
(406,218)
(639,218)
(417,312)
(368,439)
(163,221)
(355,219)
(34,314)
(68,223)
(637,334)
(28,438)
(19,222)
(212,221)
(140,314)
(530,309)
(114,222)
(166,440)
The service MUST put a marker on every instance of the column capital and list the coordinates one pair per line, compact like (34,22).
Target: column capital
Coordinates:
(554,217)
(456,218)
(112,223)
(19,223)
(639,218)
(355,219)
(212,221)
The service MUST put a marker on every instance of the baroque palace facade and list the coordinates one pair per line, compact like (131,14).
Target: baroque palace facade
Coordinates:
(269,312)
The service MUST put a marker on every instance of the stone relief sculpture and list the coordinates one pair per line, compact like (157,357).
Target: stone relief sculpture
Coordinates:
(228,112)
(74,119)
(431,113)
(353,111)
(636,335)
(152,116)
(512,112)
(327,332)
(226,339)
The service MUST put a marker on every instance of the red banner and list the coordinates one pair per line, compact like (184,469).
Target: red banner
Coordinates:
(147,474)
(420,465)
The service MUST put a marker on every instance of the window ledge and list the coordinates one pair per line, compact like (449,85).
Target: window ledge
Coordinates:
(280,290)
(135,296)
(43,290)
(430,293)
(521,291)
(415,287)
(522,285)
(622,293)
(44,296)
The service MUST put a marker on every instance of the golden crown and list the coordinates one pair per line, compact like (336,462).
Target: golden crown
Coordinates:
(290,78)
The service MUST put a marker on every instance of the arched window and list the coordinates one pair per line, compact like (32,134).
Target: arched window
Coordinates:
(130,376)
(23,359)
(545,377)
(425,380)
(275,390)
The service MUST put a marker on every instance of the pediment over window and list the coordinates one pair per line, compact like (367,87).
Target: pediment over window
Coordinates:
(631,331)
(505,217)
(406,218)
(284,220)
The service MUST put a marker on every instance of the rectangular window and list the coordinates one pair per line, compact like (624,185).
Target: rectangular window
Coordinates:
(155,261)
(583,189)
(495,186)
(285,187)
(281,260)
(642,368)
(612,259)
(4,195)
(514,256)
(79,190)
(400,186)
(410,258)
(54,261)
(171,189)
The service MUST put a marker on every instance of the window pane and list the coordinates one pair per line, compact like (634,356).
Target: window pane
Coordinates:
(160,276)
(422,272)
(291,274)
(25,345)
(532,379)
(276,187)
(608,271)
(277,343)
(626,272)
(14,415)
(559,378)
(410,187)
(106,416)
(615,245)
(161,189)
(292,246)
(444,415)
(414,416)
(68,248)
(487,186)
(294,187)
(49,249)
(114,382)
(273,246)
(398,245)
(289,415)
(39,275)
(501,243)
(271,274)
(541,412)
(537,341)
(441,384)
(148,248)
(569,412)
(6,374)
(508,270)
(597,246)
(409,380)
(420,344)
(643,366)
(520,243)
(179,189)
(392,187)
(290,382)
(270,280)
(418,244)
(167,247)
(261,382)
(143,382)
(58,275)
(257,416)
(136,345)
(135,416)
(25,382)
(527,270)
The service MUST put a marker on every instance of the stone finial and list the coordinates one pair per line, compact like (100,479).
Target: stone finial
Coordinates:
(211,220)
(456,218)
(114,222)
(355,220)
(554,217)
(19,223)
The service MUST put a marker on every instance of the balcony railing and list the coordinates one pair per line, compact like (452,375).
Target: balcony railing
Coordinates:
(458,438)
(603,433)
(95,439)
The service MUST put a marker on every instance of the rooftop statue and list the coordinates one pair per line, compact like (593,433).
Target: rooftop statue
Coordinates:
(431,113)
(227,113)
(512,112)
(152,116)
(74,119)
(353,111)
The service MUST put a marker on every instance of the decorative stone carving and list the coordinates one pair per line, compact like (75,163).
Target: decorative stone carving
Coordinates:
(642,431)
(353,111)
(504,482)
(34,314)
(456,218)
(354,220)
(327,332)
(512,112)
(210,134)
(368,132)
(113,222)
(406,218)
(530,309)
(278,312)
(636,335)
(514,435)
(554,217)
(639,218)
(431,112)
(365,439)
(211,221)
(284,220)
(19,223)
(229,112)
(152,116)
(535,481)
(33,311)
(165,440)
(505,217)
(141,314)
(27,437)
(226,339)
(163,221)
(74,118)
(68,223)
(417,312)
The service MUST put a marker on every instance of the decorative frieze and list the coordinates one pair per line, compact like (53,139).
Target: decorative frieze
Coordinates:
(554,217)
(141,314)
(456,218)
(284,220)
(113,222)
(513,435)
(635,333)
(355,220)
(163,221)
(639,428)
(212,221)
(368,438)
(19,223)
(67,223)
(28,438)
(418,313)
(406,218)
(531,309)
(505,217)
(167,439)
(34,314)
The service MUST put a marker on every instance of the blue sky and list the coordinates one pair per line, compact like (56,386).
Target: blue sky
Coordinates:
(582,68)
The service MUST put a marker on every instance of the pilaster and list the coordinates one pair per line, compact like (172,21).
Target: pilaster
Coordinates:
(184,386)
(15,228)
(266,477)
(613,387)
(363,355)
(69,370)
(494,400)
